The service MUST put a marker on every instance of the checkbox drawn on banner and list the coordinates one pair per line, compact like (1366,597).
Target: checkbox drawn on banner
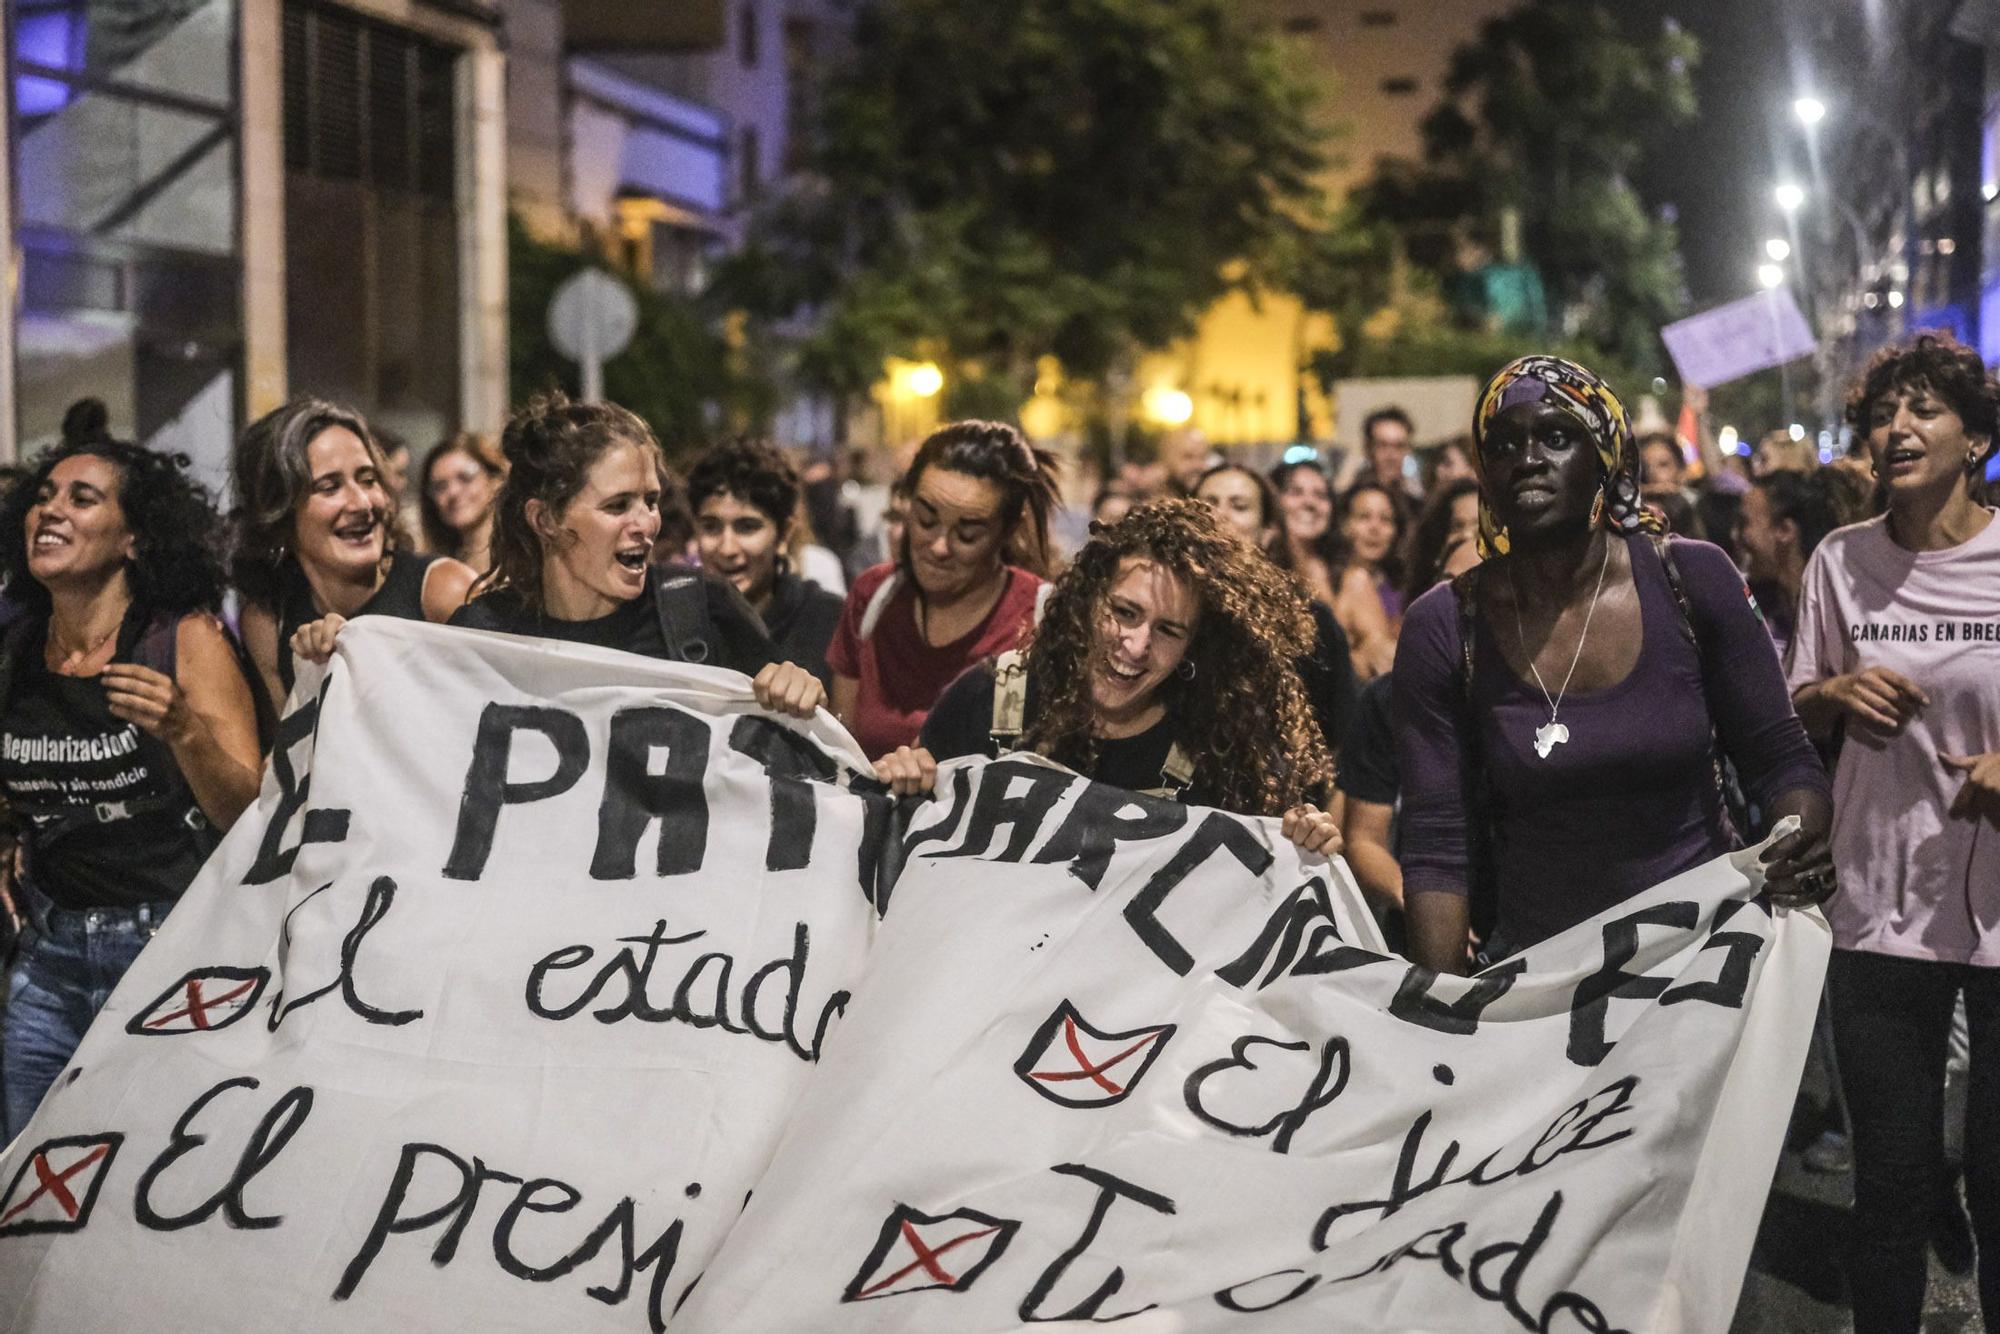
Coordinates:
(57,1186)
(1074,1064)
(920,1252)
(201,1002)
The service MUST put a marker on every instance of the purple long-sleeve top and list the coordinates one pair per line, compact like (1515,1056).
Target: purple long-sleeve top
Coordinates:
(1630,800)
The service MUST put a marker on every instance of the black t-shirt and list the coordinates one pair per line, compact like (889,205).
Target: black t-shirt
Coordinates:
(736,638)
(61,752)
(961,723)
(1327,674)
(1368,760)
(802,618)
(401,595)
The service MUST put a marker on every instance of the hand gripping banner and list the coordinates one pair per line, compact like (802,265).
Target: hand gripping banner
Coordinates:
(539,986)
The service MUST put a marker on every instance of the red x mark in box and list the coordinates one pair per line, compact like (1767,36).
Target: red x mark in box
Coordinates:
(1072,1063)
(57,1185)
(205,1000)
(910,1253)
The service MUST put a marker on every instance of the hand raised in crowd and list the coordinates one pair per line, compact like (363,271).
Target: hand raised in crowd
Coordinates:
(1798,868)
(1979,796)
(313,641)
(1313,829)
(910,771)
(1878,696)
(152,700)
(787,688)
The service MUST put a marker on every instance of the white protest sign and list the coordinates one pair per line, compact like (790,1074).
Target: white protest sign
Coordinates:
(1739,338)
(1149,1072)
(529,968)
(487,1016)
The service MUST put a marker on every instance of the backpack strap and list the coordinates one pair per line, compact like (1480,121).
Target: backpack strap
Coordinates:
(682,605)
(1010,699)
(1482,887)
(1734,805)
(871,615)
(1176,775)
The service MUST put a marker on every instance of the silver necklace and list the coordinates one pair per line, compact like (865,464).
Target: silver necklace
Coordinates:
(1552,733)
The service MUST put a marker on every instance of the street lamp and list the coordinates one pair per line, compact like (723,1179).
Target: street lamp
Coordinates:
(1810,110)
(1789,196)
(1778,248)
(1770,275)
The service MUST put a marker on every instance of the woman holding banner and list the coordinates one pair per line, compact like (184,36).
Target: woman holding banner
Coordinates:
(1163,665)
(572,557)
(1898,645)
(316,535)
(1562,708)
(128,737)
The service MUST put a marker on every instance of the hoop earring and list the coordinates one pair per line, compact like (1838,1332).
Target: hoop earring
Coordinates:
(1185,671)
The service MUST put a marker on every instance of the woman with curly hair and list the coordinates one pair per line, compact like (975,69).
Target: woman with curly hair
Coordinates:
(1559,707)
(1898,644)
(1163,664)
(745,499)
(316,535)
(962,585)
(128,737)
(460,481)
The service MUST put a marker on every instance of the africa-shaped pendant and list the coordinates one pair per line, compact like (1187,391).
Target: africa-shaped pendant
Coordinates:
(1548,736)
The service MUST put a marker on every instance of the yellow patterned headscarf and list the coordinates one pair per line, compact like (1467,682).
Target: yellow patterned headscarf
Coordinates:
(1590,401)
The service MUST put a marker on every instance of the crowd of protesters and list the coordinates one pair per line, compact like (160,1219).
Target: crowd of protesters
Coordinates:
(1515,673)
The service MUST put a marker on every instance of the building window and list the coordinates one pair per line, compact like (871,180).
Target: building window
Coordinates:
(801,42)
(372,296)
(747,34)
(1378,18)
(750,175)
(1401,86)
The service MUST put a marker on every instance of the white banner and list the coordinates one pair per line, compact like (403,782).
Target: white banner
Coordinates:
(500,1019)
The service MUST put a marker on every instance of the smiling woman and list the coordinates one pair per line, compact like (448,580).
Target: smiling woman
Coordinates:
(1165,665)
(461,479)
(316,536)
(128,737)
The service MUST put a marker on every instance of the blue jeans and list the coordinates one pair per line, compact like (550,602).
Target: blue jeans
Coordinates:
(64,969)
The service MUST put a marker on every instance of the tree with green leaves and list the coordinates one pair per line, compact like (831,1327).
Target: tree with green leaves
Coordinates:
(997,183)
(1552,114)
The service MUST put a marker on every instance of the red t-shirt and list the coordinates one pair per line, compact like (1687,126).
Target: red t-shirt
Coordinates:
(901,676)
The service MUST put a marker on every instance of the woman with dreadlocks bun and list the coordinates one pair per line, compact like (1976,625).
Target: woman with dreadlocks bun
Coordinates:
(1163,664)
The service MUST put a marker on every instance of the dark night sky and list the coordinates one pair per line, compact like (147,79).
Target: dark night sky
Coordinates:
(1720,180)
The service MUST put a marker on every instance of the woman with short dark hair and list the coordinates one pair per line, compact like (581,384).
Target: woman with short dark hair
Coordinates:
(962,584)
(128,735)
(745,499)
(1898,645)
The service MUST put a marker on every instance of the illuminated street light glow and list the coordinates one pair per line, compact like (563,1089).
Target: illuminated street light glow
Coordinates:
(1789,196)
(1778,248)
(1167,405)
(1895,300)
(1770,275)
(1796,431)
(1809,110)
(924,379)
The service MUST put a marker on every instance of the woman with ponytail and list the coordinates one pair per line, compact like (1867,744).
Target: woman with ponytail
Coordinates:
(963,585)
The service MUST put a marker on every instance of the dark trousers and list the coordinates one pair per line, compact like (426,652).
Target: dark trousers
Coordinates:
(1891,1022)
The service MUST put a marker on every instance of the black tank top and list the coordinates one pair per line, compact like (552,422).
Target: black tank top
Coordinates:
(401,594)
(110,820)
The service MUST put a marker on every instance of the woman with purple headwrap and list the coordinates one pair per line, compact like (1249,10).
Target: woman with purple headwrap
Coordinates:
(1562,709)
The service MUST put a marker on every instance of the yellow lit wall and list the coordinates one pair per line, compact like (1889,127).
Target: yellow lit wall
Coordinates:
(1243,369)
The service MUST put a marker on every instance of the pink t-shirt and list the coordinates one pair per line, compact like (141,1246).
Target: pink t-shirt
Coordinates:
(1914,881)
